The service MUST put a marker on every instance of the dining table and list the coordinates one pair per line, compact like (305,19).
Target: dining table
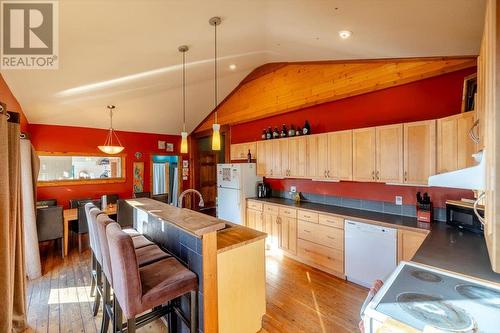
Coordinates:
(71,214)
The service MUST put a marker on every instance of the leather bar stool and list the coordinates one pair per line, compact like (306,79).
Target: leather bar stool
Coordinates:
(146,252)
(96,258)
(139,289)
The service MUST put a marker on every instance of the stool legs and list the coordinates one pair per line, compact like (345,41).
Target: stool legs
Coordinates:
(93,262)
(194,311)
(98,283)
(106,300)
(131,325)
(117,316)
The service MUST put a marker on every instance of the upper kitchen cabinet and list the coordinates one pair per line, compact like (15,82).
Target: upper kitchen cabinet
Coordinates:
(419,151)
(340,155)
(363,150)
(297,156)
(389,153)
(239,151)
(282,155)
(454,145)
(317,150)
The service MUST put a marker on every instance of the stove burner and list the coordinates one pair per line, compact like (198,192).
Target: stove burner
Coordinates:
(426,276)
(483,295)
(433,311)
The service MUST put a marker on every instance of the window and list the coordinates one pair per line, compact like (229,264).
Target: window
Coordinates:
(74,168)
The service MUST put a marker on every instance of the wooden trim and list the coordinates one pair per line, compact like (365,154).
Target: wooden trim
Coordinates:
(70,182)
(269,68)
(210,292)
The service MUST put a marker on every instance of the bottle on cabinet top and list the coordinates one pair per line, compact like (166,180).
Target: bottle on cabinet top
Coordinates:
(249,156)
(298,131)
(276,134)
(291,131)
(264,134)
(307,128)
(284,132)
(269,133)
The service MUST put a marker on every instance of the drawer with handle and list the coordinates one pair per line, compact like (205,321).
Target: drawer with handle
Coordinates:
(320,234)
(306,215)
(288,212)
(271,209)
(321,255)
(331,221)
(254,205)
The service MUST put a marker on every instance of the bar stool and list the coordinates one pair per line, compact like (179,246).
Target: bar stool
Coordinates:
(146,252)
(139,289)
(96,258)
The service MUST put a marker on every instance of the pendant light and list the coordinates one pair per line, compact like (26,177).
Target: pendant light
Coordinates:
(215,21)
(184,143)
(109,147)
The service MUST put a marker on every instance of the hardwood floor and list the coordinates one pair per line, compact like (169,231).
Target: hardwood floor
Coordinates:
(299,298)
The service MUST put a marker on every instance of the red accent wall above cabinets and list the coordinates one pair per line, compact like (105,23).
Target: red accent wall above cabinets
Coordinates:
(431,98)
(85,140)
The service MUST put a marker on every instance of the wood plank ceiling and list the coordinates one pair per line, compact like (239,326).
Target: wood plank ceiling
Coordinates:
(282,87)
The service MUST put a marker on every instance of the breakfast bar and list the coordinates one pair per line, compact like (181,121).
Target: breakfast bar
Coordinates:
(228,259)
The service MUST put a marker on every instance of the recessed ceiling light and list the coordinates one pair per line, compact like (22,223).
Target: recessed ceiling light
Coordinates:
(232,67)
(345,34)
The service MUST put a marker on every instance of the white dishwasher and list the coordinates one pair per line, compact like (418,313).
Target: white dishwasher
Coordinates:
(370,252)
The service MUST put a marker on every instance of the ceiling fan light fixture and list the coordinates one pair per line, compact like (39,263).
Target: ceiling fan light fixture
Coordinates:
(109,147)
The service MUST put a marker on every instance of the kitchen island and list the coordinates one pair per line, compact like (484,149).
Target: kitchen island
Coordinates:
(228,259)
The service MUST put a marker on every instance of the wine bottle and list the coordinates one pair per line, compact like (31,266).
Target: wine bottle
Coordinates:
(249,157)
(276,134)
(284,132)
(269,133)
(291,131)
(307,128)
(264,135)
(298,131)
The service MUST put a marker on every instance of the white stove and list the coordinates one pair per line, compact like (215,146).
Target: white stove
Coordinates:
(431,300)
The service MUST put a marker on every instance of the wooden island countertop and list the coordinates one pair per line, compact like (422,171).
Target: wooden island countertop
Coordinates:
(235,236)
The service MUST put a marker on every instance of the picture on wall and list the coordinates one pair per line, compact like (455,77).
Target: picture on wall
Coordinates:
(138,183)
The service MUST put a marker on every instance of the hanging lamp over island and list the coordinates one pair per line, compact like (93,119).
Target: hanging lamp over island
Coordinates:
(184,143)
(215,21)
(109,147)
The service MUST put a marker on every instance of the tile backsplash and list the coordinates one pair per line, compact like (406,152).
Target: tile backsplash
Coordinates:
(371,205)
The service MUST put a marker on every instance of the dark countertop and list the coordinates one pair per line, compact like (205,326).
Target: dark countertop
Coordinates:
(445,247)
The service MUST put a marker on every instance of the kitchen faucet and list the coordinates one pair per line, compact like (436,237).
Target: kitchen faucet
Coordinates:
(179,202)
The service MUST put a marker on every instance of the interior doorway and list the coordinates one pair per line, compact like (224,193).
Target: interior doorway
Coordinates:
(165,178)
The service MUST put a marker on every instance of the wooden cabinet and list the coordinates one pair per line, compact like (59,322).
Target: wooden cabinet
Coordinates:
(340,155)
(419,151)
(282,154)
(322,256)
(454,146)
(288,233)
(408,243)
(280,224)
(261,157)
(254,219)
(317,152)
(271,227)
(297,156)
(389,153)
(363,150)
(239,151)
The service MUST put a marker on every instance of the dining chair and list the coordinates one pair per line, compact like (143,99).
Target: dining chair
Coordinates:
(46,203)
(142,195)
(80,226)
(50,224)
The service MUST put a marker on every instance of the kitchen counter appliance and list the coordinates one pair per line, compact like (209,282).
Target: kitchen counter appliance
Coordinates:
(431,300)
(460,213)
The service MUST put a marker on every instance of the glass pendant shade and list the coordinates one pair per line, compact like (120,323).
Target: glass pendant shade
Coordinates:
(216,137)
(109,147)
(184,143)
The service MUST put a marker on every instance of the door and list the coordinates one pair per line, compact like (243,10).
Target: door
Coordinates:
(419,151)
(297,156)
(340,155)
(317,156)
(261,158)
(229,205)
(269,158)
(254,219)
(272,229)
(363,141)
(466,147)
(276,158)
(447,144)
(208,177)
(389,163)
(288,234)
(283,156)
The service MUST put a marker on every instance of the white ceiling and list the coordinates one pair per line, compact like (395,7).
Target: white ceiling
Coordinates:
(124,52)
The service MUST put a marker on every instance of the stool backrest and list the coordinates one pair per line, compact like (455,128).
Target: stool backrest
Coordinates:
(126,277)
(102,222)
(92,212)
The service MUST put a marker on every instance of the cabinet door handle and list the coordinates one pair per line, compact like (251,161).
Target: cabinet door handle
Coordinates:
(406,176)
(331,237)
(378,175)
(474,137)
(373,174)
(328,173)
(324,173)
(307,231)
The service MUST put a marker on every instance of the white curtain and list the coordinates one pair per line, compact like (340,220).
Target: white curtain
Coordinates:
(159,178)
(31,251)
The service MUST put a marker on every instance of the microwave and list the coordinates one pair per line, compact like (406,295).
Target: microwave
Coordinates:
(461,214)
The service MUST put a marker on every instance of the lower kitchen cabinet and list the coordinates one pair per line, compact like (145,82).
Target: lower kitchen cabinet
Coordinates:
(255,219)
(408,243)
(323,256)
(287,234)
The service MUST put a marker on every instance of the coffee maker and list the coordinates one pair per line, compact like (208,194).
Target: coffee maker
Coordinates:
(263,190)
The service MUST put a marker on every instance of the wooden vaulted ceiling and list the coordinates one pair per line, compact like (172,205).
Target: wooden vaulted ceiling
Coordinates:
(282,87)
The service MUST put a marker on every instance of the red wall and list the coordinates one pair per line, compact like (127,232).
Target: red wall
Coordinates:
(85,140)
(431,98)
